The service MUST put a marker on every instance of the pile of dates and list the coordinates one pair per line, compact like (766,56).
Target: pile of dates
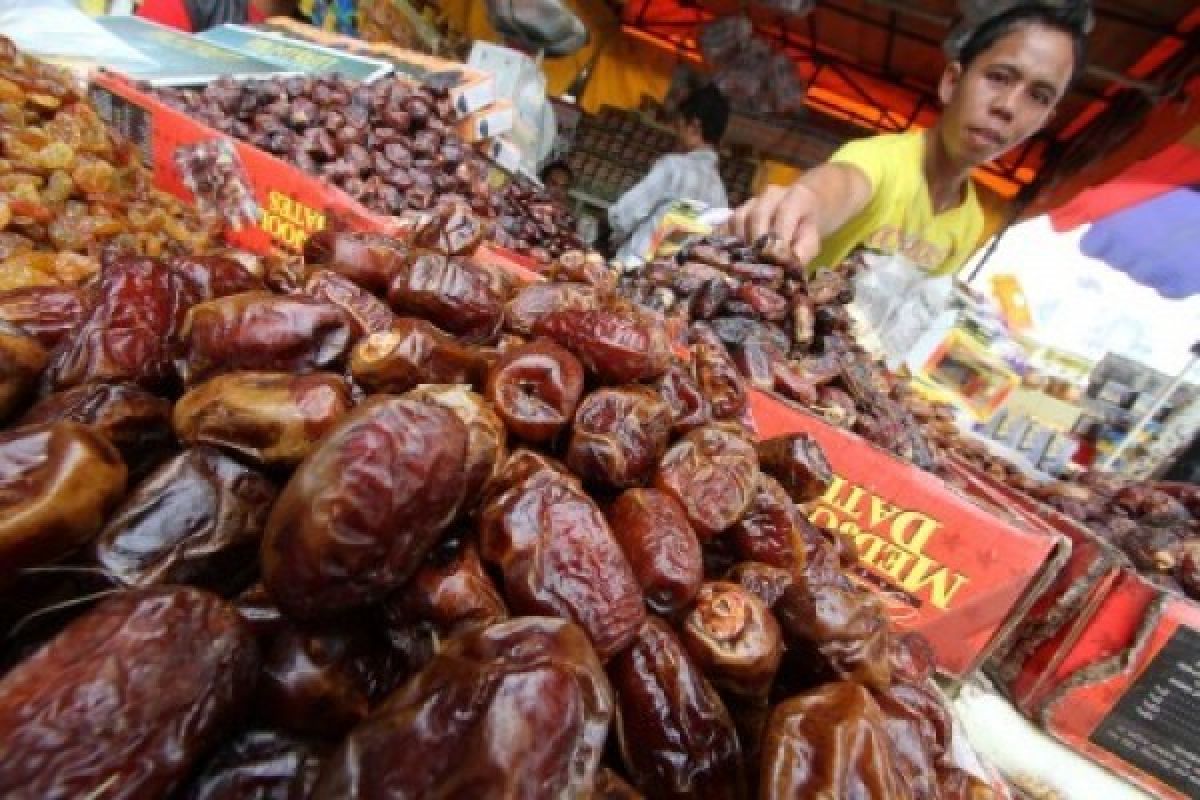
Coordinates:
(411,529)
(69,189)
(534,224)
(390,145)
(786,331)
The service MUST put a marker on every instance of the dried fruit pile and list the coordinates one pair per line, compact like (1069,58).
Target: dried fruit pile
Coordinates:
(68,189)
(534,224)
(413,530)
(786,331)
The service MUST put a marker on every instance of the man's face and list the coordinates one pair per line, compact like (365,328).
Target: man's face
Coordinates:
(558,184)
(1006,95)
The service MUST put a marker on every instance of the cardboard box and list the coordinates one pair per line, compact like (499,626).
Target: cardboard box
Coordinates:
(949,569)
(1128,693)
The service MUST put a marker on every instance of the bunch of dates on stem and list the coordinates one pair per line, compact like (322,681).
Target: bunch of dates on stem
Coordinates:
(401,526)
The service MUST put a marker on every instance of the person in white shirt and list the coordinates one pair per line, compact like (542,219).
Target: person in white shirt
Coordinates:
(690,174)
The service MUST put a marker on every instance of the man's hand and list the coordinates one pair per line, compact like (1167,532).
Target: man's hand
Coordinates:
(787,216)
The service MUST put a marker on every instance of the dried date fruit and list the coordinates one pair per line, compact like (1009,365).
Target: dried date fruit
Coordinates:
(210,277)
(661,546)
(536,300)
(22,360)
(717,374)
(137,422)
(366,312)
(712,472)
(362,511)
(487,446)
(272,419)
(128,332)
(368,259)
(618,437)
(844,626)
(798,463)
(47,313)
(611,786)
(261,331)
(734,639)
(919,729)
(675,735)
(258,765)
(535,388)
(837,407)
(763,302)
(766,582)
(457,296)
(803,321)
(617,346)
(769,533)
(124,702)
(57,485)
(451,592)
(911,657)
(198,520)
(760,358)
(831,742)
(519,709)
(558,556)
(414,352)
(689,407)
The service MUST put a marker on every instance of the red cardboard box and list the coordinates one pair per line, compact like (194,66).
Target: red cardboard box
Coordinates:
(1128,693)
(948,569)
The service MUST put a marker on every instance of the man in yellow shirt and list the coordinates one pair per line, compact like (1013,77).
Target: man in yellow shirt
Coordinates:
(911,194)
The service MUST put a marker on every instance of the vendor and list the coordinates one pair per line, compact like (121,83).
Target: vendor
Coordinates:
(690,174)
(911,194)
(557,177)
(200,15)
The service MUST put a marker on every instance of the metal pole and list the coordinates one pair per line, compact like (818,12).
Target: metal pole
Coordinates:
(1155,407)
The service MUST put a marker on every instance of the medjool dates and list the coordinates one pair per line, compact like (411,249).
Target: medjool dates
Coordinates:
(712,472)
(535,388)
(487,446)
(717,374)
(618,437)
(661,547)
(258,765)
(798,463)
(734,639)
(536,300)
(22,360)
(365,311)
(47,313)
(414,352)
(617,346)
(457,296)
(769,533)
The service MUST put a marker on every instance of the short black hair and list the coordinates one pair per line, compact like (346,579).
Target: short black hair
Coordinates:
(1065,19)
(557,165)
(710,108)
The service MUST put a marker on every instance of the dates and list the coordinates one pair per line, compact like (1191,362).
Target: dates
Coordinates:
(518,709)
(487,446)
(363,510)
(22,360)
(258,765)
(535,388)
(617,346)
(675,735)
(842,625)
(717,374)
(124,702)
(712,472)
(197,520)
(57,485)
(369,260)
(457,296)
(269,418)
(366,312)
(770,532)
(689,407)
(414,352)
(128,332)
(831,742)
(798,463)
(451,592)
(618,437)
(661,546)
(536,300)
(734,639)
(210,277)
(47,313)
(262,331)
(919,730)
(558,556)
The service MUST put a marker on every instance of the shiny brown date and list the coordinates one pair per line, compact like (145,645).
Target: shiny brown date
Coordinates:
(844,625)
(414,352)
(362,511)
(535,388)
(712,472)
(766,582)
(457,296)
(368,259)
(452,592)
(798,463)
(538,299)
(198,520)
(831,742)
(58,484)
(734,638)
(717,374)
(272,419)
(125,701)
(261,331)
(919,729)
(47,313)
(366,312)
(769,533)
(661,546)
(689,407)
(518,709)
(611,786)
(22,360)
(675,735)
(558,556)
(617,346)
(258,765)
(618,437)
(487,445)
(210,277)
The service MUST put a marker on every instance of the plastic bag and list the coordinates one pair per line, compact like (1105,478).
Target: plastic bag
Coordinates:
(57,30)
(898,301)
(538,25)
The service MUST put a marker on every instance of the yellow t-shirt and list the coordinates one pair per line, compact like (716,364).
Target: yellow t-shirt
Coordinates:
(899,217)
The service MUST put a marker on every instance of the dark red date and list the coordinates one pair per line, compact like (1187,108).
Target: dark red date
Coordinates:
(844,625)
(366,312)
(661,546)
(717,374)
(487,446)
(47,313)
(414,352)
(535,388)
(210,277)
(689,407)
(539,299)
(798,463)
(712,472)
(617,346)
(457,296)
(769,533)
(258,765)
(619,436)
(22,360)
(734,639)
(370,260)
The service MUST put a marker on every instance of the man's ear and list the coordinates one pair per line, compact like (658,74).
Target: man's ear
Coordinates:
(951,78)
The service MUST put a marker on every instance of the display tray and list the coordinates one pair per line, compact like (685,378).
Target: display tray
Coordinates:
(947,568)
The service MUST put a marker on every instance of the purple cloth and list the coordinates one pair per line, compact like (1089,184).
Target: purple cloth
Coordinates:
(1157,243)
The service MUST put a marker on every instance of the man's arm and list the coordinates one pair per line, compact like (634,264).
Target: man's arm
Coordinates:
(642,200)
(801,215)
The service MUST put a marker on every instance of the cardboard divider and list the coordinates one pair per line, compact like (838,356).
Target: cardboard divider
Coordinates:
(948,568)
